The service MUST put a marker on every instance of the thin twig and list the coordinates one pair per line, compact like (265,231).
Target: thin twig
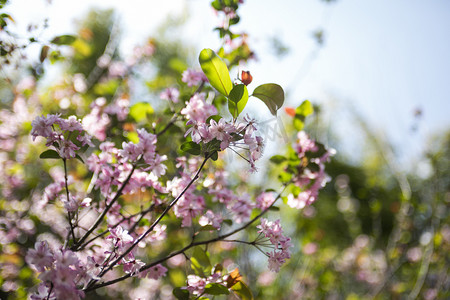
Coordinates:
(76,247)
(192,244)
(150,229)
(68,200)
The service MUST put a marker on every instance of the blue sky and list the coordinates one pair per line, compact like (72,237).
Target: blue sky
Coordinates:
(384,58)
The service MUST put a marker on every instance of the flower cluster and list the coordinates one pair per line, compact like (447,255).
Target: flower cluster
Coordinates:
(193,78)
(196,284)
(226,134)
(274,232)
(70,138)
(112,165)
(62,268)
(312,177)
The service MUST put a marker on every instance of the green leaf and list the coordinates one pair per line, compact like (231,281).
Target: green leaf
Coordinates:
(215,156)
(299,122)
(107,88)
(285,177)
(207,228)
(272,95)
(216,4)
(64,39)
(242,291)
(79,158)
(140,110)
(278,159)
(49,154)
(214,117)
(274,208)
(216,71)
(229,222)
(44,53)
(191,148)
(304,109)
(200,261)
(321,150)
(237,99)
(313,167)
(216,289)
(301,112)
(181,294)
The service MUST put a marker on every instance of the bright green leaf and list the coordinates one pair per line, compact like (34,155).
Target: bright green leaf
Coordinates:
(107,88)
(304,109)
(140,110)
(216,71)
(191,148)
(284,177)
(242,291)
(299,122)
(64,39)
(49,154)
(301,112)
(272,95)
(237,99)
(200,261)
(216,289)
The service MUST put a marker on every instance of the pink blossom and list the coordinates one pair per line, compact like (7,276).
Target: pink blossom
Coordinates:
(66,258)
(130,151)
(67,149)
(304,144)
(276,260)
(299,202)
(195,284)
(170,94)
(157,167)
(70,205)
(242,209)
(194,131)
(154,272)
(120,236)
(41,256)
(192,77)
(197,109)
(133,267)
(42,126)
(42,293)
(264,200)
(85,139)
(188,207)
(209,218)
(222,132)
(71,124)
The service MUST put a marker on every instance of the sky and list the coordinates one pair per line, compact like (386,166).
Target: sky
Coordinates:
(382,58)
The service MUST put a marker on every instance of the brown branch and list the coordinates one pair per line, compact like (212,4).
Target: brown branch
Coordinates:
(77,247)
(150,229)
(192,244)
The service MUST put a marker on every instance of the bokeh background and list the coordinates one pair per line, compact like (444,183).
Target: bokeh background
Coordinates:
(378,74)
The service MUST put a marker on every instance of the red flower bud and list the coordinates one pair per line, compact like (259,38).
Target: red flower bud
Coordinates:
(246,78)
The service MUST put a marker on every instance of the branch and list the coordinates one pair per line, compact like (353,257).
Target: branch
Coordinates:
(150,229)
(67,195)
(192,244)
(77,247)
